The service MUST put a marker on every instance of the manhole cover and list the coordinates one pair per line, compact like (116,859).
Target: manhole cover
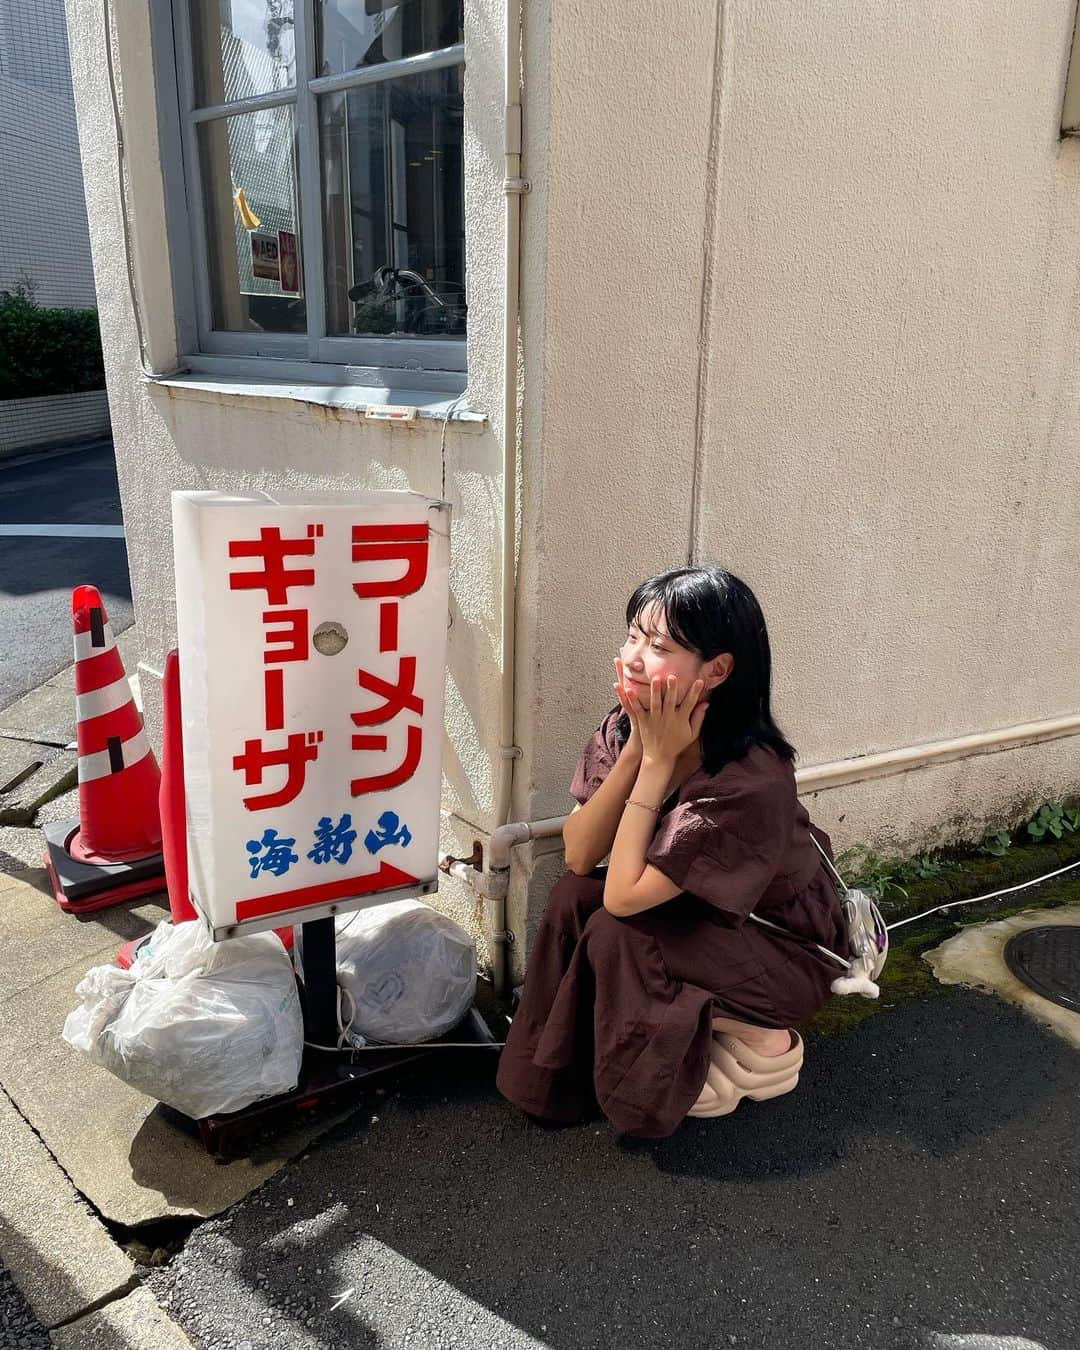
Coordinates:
(1048,961)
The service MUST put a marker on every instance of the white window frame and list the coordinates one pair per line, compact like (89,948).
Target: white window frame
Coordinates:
(435,363)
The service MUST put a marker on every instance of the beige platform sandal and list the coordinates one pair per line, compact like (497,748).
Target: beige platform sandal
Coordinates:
(736,1071)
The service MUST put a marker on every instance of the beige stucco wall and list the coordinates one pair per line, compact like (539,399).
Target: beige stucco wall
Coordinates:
(811,291)
(798,296)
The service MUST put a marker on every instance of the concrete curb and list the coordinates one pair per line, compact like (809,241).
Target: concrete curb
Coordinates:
(76,1280)
(57,773)
(58,1252)
(135,1323)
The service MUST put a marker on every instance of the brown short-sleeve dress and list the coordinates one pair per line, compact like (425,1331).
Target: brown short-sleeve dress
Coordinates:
(618,1011)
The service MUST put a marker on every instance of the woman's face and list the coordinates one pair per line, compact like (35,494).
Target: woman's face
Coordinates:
(649,653)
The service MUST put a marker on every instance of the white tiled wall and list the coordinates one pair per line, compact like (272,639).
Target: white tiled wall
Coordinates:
(43,230)
(34,44)
(29,422)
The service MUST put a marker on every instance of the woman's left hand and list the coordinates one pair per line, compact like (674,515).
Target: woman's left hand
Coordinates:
(667,726)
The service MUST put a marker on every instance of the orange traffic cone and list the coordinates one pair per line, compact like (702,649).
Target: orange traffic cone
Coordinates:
(113,851)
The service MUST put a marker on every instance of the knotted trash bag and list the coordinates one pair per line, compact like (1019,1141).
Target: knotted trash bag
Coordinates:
(408,972)
(204,1026)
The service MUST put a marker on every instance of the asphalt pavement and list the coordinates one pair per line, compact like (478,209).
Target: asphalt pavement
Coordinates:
(38,572)
(917,1190)
(19,1328)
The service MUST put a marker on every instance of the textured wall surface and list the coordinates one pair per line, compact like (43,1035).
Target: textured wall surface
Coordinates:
(893,375)
(809,311)
(798,290)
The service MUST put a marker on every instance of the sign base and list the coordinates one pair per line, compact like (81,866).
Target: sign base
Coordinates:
(325,1079)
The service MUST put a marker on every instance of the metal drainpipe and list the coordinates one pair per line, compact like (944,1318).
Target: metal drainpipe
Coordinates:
(514,187)
(493,883)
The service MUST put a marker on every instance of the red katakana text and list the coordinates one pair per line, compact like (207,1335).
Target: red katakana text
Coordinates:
(299,750)
(275,578)
(397,697)
(274,698)
(292,638)
(401,543)
(383,782)
(388,612)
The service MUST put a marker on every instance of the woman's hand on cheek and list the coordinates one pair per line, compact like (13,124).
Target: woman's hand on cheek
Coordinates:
(668,727)
(630,706)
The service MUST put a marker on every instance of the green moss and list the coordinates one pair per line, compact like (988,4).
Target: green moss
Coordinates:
(906,974)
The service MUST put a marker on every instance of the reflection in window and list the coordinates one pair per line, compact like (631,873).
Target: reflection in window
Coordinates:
(355,33)
(393,207)
(253,222)
(243,48)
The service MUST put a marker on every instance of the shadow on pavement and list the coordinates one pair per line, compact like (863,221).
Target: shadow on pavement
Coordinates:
(911,1186)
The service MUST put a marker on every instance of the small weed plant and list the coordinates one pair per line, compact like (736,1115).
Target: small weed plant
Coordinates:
(996,844)
(882,877)
(1053,818)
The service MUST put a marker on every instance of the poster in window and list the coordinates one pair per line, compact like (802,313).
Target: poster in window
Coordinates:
(264,255)
(289,262)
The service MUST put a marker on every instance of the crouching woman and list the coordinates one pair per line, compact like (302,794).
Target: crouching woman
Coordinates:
(689,785)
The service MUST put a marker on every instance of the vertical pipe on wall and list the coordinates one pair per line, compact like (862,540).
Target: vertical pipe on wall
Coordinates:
(513,187)
(712,207)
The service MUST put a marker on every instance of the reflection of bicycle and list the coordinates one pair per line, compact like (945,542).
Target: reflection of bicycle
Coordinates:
(426,309)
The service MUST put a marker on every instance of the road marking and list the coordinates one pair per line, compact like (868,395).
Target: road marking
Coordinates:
(64,531)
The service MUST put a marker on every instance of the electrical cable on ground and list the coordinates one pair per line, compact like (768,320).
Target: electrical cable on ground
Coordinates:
(952,904)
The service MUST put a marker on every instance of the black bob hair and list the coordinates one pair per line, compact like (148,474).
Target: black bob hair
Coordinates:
(709,611)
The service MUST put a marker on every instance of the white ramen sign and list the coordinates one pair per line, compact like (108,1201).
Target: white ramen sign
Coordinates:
(312,638)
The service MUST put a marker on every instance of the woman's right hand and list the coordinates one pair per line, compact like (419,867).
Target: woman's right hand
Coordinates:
(633,746)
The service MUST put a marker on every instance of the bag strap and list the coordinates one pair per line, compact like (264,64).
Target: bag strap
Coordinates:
(767,923)
(833,956)
(828,863)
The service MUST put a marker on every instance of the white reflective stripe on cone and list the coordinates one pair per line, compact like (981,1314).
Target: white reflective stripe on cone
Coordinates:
(99,764)
(84,642)
(98,702)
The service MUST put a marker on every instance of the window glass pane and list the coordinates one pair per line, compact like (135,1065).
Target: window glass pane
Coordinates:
(355,33)
(393,207)
(241,48)
(253,222)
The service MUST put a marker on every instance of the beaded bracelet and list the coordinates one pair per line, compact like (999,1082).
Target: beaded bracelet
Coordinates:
(654,809)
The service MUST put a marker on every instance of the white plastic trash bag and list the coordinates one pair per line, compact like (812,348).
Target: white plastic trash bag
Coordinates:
(205,1027)
(409,971)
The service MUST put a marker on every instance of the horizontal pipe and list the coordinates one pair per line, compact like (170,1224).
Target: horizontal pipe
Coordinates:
(836,774)
(518,832)
(842,772)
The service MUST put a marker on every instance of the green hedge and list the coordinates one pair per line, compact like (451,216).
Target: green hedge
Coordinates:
(47,351)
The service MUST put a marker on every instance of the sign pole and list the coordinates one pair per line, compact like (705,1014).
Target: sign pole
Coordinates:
(320,982)
(312,635)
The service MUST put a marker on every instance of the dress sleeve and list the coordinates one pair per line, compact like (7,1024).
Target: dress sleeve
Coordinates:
(596,760)
(726,848)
